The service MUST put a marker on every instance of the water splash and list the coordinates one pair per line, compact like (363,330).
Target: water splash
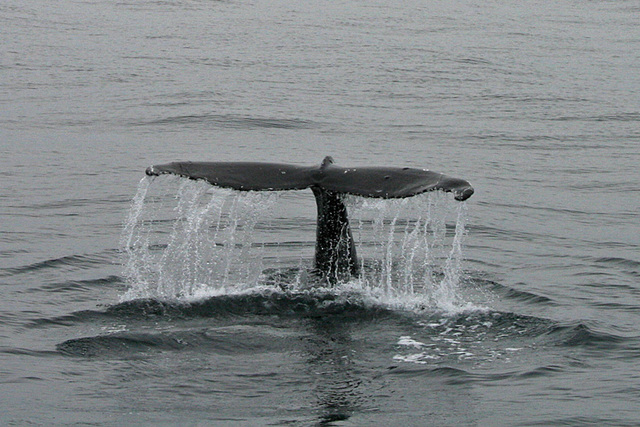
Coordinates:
(204,243)
(207,241)
(410,255)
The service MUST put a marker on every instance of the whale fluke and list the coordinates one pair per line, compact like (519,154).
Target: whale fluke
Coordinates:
(335,258)
(244,176)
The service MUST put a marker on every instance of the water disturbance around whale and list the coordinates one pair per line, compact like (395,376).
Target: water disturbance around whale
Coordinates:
(205,240)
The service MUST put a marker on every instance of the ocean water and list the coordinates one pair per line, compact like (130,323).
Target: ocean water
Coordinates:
(126,300)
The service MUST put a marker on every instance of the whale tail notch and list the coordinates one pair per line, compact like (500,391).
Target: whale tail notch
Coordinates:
(335,256)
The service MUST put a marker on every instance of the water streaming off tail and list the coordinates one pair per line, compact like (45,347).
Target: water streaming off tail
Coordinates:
(411,249)
(185,239)
(199,239)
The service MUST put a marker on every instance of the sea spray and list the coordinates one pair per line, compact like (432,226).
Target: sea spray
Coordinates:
(133,236)
(411,249)
(185,239)
(445,293)
(204,240)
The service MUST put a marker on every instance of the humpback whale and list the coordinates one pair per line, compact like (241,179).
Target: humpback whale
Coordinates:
(335,252)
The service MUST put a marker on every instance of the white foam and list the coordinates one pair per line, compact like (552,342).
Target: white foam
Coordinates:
(410,342)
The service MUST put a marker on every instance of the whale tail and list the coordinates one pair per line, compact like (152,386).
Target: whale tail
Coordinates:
(335,255)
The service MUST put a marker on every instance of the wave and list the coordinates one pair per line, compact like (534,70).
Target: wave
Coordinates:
(622,262)
(221,340)
(69,261)
(236,323)
(268,302)
(348,306)
(621,117)
(230,121)
(456,376)
(581,335)
(541,371)
(505,292)
(463,376)
(489,336)
(544,331)
(321,302)
(453,375)
(241,321)
(78,285)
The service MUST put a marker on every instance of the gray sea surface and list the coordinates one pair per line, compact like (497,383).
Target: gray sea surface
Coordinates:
(115,316)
